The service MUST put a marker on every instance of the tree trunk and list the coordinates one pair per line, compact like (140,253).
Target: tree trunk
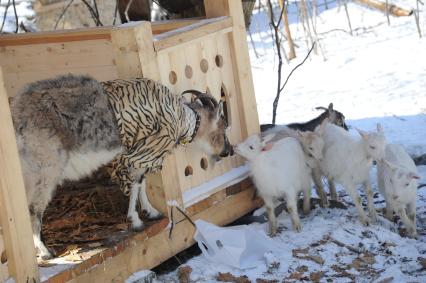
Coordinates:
(292,52)
(393,9)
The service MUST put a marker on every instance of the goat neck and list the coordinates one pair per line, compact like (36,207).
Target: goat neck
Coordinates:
(189,125)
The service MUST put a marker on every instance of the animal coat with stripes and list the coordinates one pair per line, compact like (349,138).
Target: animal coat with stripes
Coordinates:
(69,126)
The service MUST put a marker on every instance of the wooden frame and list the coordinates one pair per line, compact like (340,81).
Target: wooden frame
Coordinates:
(207,54)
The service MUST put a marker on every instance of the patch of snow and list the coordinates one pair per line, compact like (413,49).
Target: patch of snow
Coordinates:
(24,11)
(375,76)
(214,185)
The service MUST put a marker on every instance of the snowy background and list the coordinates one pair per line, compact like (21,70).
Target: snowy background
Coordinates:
(376,75)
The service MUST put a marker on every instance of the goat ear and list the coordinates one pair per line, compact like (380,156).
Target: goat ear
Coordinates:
(362,133)
(380,128)
(392,166)
(413,175)
(267,138)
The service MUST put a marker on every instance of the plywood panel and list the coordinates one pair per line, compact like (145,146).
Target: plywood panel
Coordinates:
(27,63)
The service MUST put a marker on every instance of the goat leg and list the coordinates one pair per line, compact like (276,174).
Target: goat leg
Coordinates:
(316,177)
(370,202)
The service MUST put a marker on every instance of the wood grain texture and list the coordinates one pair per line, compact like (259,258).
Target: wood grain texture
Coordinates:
(14,214)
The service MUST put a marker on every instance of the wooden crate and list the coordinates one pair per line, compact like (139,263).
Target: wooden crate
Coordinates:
(205,54)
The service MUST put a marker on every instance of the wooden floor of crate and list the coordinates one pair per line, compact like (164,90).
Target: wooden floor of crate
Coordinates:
(86,220)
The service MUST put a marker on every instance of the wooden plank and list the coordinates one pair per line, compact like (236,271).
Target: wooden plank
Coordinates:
(192,32)
(392,8)
(150,252)
(14,214)
(100,258)
(27,63)
(241,60)
(85,34)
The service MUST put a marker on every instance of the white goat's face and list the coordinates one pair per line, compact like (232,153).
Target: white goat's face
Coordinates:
(252,146)
(401,178)
(312,143)
(375,143)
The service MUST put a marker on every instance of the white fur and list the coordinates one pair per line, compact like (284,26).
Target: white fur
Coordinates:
(279,172)
(348,160)
(313,146)
(132,213)
(144,201)
(396,179)
(81,164)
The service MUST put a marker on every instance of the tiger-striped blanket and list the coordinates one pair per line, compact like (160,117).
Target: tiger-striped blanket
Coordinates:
(151,122)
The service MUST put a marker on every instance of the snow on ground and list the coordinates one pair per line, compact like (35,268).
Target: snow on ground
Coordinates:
(377,75)
(24,11)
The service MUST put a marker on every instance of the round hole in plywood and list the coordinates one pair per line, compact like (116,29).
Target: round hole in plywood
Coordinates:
(3,259)
(172,77)
(188,171)
(204,164)
(219,60)
(188,72)
(204,65)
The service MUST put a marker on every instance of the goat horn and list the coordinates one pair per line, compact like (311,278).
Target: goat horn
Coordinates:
(321,108)
(192,91)
(203,97)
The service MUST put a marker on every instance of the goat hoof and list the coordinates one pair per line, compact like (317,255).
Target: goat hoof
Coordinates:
(373,218)
(298,228)
(365,221)
(137,228)
(45,255)
(137,225)
(153,214)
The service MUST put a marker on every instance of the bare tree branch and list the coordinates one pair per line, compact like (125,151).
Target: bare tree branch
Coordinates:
(417,17)
(95,5)
(93,13)
(280,59)
(63,13)
(4,15)
(16,16)
(115,12)
(126,12)
(300,64)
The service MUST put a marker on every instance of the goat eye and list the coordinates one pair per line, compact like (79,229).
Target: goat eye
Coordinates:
(310,148)
(407,184)
(251,147)
(372,147)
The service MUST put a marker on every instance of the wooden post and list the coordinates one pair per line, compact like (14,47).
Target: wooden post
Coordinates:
(14,214)
(135,57)
(241,58)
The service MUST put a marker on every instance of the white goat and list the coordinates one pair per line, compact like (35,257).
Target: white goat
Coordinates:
(348,161)
(396,178)
(313,145)
(278,170)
